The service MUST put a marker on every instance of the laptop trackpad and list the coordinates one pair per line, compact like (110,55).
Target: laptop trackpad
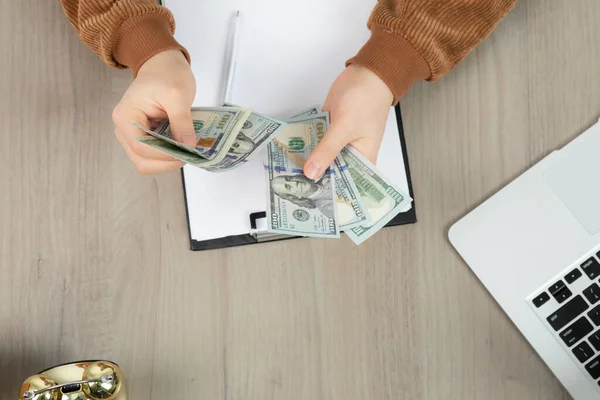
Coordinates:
(576,181)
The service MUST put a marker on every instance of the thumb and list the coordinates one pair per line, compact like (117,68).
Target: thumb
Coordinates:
(323,155)
(182,126)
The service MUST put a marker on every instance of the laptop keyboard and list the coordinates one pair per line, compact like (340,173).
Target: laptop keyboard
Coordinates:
(570,307)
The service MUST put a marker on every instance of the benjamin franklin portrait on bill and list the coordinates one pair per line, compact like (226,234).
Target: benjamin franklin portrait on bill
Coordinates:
(305,193)
(242,145)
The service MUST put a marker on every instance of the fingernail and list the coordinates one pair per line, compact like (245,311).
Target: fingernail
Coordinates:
(313,170)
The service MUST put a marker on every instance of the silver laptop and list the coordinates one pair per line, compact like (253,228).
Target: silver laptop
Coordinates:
(535,245)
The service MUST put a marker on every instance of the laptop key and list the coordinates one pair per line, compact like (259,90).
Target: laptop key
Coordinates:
(593,368)
(591,267)
(594,339)
(560,291)
(567,313)
(573,276)
(592,293)
(595,315)
(583,352)
(541,299)
(576,331)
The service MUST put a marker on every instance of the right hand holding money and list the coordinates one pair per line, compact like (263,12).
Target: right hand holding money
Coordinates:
(164,88)
(351,195)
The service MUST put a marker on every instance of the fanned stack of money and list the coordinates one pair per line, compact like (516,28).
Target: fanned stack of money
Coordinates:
(352,196)
(225,137)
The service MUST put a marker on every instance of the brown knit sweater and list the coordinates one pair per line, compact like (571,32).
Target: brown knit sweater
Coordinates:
(410,39)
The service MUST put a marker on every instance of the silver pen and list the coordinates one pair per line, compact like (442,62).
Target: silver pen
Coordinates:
(232,59)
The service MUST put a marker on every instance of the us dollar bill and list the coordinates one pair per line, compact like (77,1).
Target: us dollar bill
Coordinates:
(298,205)
(216,129)
(351,208)
(255,134)
(383,199)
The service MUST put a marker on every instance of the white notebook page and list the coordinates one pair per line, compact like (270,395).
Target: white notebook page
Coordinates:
(289,54)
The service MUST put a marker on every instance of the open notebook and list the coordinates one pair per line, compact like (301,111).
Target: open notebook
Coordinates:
(289,54)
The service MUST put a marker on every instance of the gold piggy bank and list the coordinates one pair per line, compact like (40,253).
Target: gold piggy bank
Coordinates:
(84,380)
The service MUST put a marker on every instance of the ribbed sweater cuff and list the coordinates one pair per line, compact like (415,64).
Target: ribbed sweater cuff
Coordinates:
(392,58)
(142,37)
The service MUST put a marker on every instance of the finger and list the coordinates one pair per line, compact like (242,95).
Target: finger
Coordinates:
(148,166)
(180,121)
(325,152)
(122,117)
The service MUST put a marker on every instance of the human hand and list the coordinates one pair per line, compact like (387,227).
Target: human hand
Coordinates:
(164,88)
(359,104)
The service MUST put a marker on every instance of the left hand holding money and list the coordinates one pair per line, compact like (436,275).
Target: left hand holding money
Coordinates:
(164,88)
(359,104)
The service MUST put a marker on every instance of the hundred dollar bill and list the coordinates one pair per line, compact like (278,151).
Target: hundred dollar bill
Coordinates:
(256,132)
(351,209)
(310,111)
(216,129)
(297,205)
(383,200)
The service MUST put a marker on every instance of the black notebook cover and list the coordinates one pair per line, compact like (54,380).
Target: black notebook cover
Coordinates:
(408,217)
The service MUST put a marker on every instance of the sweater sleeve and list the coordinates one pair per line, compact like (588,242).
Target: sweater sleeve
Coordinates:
(413,40)
(123,33)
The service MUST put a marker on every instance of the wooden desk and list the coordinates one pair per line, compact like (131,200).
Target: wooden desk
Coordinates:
(94,260)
